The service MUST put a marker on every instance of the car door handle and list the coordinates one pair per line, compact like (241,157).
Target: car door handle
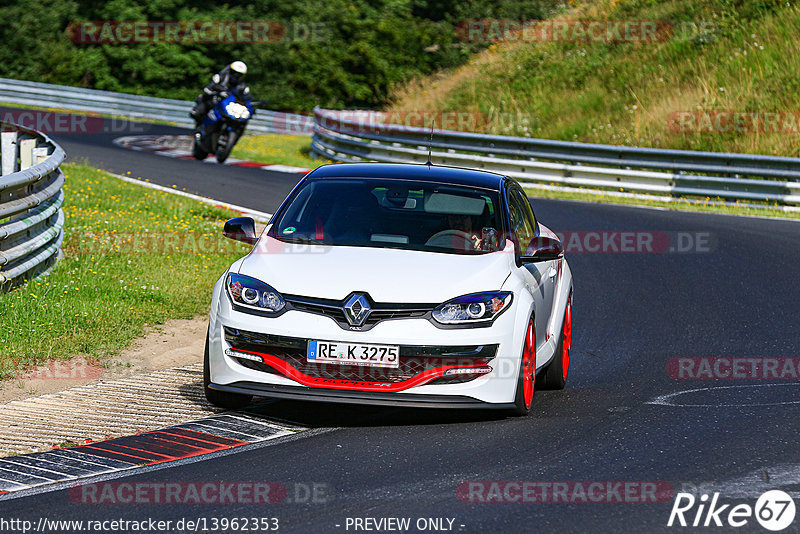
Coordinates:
(552,272)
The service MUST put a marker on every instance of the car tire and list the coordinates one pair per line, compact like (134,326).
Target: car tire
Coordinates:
(555,375)
(526,381)
(221,399)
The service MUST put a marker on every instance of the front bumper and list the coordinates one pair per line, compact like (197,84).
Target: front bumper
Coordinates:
(290,380)
(407,400)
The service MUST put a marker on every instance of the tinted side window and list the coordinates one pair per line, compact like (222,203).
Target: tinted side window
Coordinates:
(526,205)
(522,222)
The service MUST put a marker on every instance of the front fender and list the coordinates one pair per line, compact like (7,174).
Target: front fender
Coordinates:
(563,294)
(523,310)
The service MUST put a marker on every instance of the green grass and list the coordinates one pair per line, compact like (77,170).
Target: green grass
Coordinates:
(133,257)
(733,55)
(67,444)
(277,149)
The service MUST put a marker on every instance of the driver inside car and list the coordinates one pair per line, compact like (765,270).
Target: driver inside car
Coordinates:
(458,234)
(463,223)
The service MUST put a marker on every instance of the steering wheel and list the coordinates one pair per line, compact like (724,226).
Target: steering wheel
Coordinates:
(456,239)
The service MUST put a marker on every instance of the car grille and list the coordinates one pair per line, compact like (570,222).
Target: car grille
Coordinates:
(413,359)
(380,311)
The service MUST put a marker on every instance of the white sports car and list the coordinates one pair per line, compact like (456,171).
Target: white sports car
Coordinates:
(393,284)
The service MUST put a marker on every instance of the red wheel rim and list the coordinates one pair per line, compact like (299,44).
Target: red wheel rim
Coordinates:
(529,364)
(566,343)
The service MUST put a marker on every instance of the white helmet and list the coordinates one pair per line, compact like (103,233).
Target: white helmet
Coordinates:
(240,67)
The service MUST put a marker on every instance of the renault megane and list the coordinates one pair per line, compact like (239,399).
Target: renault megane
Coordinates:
(393,284)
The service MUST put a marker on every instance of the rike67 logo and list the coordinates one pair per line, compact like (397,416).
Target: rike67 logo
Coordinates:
(774,510)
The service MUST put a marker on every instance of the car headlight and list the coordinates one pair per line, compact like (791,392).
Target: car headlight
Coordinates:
(254,294)
(473,308)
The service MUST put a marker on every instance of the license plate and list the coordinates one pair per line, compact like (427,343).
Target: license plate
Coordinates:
(354,354)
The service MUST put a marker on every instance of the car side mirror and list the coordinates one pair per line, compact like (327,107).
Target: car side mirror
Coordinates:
(542,248)
(241,229)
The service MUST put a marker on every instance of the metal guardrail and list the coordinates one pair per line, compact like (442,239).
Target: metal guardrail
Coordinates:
(31,196)
(362,136)
(134,106)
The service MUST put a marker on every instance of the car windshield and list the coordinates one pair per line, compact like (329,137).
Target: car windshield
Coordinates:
(389,213)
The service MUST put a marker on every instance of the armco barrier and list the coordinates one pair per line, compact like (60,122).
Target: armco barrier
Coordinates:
(134,106)
(361,136)
(31,196)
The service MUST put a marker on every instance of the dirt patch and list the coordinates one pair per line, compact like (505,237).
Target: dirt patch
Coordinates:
(177,342)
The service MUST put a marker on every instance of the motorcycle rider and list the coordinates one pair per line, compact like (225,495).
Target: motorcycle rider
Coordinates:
(228,79)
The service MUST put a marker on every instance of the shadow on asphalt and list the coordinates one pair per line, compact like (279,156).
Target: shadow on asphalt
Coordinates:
(327,415)
(310,414)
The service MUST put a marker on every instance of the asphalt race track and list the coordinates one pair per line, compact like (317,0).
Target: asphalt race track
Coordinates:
(733,295)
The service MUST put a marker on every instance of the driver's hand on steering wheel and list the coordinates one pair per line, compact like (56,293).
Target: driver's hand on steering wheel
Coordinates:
(477,242)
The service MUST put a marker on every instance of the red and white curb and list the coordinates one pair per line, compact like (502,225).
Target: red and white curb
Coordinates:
(154,417)
(195,438)
(176,146)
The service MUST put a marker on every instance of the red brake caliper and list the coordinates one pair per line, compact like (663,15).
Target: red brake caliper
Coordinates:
(566,344)
(528,364)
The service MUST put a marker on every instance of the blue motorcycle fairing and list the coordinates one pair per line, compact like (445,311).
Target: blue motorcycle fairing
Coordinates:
(219,111)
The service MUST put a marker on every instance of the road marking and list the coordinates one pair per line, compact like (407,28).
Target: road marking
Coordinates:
(667,399)
(32,463)
(176,146)
(257,215)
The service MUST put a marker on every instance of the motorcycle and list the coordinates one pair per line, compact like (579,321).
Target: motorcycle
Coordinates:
(223,125)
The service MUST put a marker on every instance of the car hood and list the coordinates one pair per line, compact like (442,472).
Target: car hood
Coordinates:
(387,275)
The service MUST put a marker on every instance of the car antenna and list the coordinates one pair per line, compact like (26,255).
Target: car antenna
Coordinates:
(433,122)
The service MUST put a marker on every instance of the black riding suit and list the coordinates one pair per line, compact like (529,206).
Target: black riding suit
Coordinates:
(224,80)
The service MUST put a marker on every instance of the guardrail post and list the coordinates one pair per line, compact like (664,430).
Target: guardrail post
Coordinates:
(26,147)
(8,152)
(40,153)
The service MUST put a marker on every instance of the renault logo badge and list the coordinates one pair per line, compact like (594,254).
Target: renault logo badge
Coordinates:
(356,309)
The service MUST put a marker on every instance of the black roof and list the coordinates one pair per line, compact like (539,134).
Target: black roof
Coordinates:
(410,171)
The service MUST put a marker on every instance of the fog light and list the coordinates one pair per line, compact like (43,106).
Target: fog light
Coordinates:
(469,371)
(245,356)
